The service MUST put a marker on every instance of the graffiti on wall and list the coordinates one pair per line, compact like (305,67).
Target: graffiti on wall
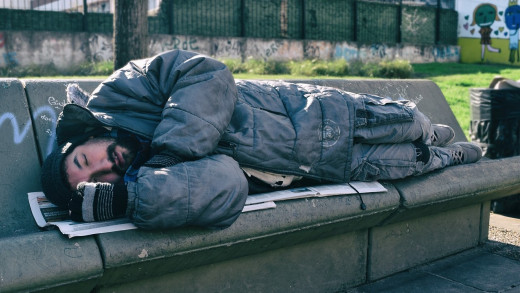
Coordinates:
(489,31)
(100,48)
(63,48)
(484,16)
(228,48)
(512,15)
(379,51)
(188,43)
(9,59)
(346,52)
(274,50)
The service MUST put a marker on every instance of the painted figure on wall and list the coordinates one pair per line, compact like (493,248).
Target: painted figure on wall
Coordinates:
(512,15)
(484,16)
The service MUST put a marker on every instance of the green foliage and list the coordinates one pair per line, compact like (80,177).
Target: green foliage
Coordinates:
(338,67)
(94,68)
(319,67)
(383,69)
(85,69)
(394,69)
(305,68)
(313,68)
(360,68)
(234,65)
(33,70)
(256,66)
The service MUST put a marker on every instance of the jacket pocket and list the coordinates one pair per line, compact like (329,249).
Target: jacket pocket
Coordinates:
(373,111)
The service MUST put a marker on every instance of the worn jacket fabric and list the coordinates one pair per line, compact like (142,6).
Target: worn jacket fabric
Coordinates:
(190,107)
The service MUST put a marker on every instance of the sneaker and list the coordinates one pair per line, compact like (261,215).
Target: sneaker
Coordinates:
(463,153)
(442,135)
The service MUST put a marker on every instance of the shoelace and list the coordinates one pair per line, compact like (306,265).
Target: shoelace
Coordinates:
(434,137)
(457,157)
(437,139)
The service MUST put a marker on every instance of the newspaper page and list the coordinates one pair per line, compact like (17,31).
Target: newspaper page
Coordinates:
(354,187)
(47,214)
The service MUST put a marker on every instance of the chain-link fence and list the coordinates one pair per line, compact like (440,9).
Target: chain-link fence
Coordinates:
(363,21)
(48,15)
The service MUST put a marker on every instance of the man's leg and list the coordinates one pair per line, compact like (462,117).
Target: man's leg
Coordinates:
(395,161)
(380,120)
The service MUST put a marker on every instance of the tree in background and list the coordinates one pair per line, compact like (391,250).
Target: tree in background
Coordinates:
(130,31)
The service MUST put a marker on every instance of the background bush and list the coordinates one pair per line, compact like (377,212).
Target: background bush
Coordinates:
(337,68)
(86,69)
(394,69)
(310,68)
(319,67)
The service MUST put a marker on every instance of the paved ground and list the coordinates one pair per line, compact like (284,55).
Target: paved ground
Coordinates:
(492,267)
(504,235)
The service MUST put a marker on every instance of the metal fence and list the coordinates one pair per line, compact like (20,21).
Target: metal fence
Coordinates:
(364,21)
(52,15)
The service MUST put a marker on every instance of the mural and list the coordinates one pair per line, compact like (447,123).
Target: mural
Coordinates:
(512,15)
(488,31)
(484,16)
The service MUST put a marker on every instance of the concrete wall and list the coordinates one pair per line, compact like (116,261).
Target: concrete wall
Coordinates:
(26,48)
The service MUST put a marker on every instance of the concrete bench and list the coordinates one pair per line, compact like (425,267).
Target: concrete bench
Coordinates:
(306,245)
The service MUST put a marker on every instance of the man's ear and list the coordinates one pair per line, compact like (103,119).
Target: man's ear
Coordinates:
(76,95)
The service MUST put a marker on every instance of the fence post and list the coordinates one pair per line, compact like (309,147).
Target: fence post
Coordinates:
(355,34)
(400,22)
(302,20)
(85,12)
(438,23)
(166,9)
(242,20)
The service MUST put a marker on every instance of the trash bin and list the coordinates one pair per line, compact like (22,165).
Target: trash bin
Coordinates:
(495,121)
(495,126)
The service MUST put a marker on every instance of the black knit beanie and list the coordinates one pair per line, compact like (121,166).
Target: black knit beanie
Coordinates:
(53,178)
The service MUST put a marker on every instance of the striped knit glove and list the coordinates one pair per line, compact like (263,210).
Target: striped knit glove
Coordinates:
(98,202)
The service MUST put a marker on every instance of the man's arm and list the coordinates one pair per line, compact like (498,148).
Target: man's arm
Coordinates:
(210,192)
(183,101)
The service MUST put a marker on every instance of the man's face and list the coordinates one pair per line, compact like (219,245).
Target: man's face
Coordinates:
(99,160)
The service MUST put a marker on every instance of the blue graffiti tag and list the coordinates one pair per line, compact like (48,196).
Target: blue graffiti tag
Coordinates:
(10,59)
(19,134)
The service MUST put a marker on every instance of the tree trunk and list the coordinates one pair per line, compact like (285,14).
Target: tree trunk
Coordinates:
(130,31)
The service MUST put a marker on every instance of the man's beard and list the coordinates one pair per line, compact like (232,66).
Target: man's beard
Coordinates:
(131,144)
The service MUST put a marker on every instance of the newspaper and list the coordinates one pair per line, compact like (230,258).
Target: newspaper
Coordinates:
(47,214)
(266,200)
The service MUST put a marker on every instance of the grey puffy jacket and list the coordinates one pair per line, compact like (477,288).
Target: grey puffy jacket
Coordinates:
(190,106)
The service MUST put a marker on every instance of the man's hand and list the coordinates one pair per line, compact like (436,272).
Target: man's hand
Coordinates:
(98,202)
